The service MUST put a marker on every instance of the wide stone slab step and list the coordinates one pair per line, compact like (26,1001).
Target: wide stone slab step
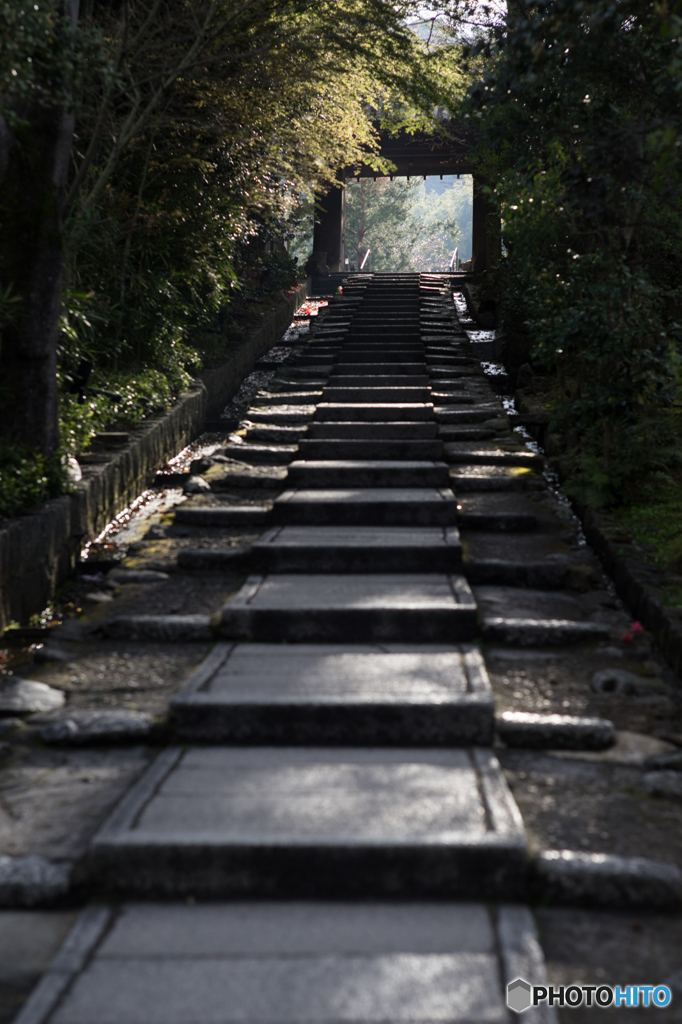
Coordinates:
(408,412)
(352,549)
(270,962)
(370,448)
(360,608)
(374,395)
(373,431)
(260,454)
(225,516)
(499,522)
(310,822)
(348,472)
(369,506)
(348,365)
(325,693)
(380,380)
(281,414)
(527,632)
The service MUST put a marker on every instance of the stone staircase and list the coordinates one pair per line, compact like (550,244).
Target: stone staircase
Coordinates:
(332,839)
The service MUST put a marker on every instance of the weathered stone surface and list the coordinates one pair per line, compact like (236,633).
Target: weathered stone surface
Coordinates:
(224,516)
(209,560)
(10,725)
(308,693)
(27,696)
(120,576)
(618,681)
(663,783)
(292,822)
(374,473)
(376,412)
(355,608)
(32,881)
(82,727)
(350,549)
(554,732)
(367,506)
(541,633)
(665,762)
(170,628)
(604,880)
(275,963)
(195,485)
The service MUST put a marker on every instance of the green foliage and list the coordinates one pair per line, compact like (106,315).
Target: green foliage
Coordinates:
(405,228)
(28,478)
(580,132)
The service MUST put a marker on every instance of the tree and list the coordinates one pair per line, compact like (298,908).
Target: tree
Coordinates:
(581,126)
(197,123)
(403,229)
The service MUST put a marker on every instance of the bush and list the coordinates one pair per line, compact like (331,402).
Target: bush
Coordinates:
(28,478)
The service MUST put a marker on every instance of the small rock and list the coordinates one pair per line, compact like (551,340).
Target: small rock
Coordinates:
(98,596)
(97,727)
(31,881)
(119,576)
(48,653)
(24,697)
(631,748)
(618,681)
(554,732)
(9,725)
(73,471)
(601,879)
(665,762)
(663,783)
(196,485)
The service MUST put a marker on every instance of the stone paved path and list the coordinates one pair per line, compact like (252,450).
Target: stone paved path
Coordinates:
(332,838)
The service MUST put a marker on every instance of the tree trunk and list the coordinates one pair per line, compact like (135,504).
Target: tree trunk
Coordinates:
(34,161)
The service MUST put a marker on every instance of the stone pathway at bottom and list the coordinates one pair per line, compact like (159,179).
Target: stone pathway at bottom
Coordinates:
(332,838)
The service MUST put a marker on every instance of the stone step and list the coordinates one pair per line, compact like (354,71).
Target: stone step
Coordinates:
(463,433)
(214,822)
(388,430)
(457,454)
(272,962)
(362,608)
(344,367)
(375,395)
(381,348)
(544,575)
(274,433)
(375,334)
(500,522)
(261,454)
(281,414)
(408,412)
(490,478)
(397,380)
(407,506)
(287,397)
(319,448)
(352,549)
(224,516)
(350,694)
(372,473)
(479,414)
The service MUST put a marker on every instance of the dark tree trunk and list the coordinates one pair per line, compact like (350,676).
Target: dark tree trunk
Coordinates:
(34,161)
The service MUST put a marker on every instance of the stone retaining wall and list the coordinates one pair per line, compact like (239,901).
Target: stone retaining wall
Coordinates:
(39,551)
(637,580)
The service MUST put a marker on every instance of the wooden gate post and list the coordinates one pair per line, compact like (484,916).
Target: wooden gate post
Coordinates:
(330,226)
